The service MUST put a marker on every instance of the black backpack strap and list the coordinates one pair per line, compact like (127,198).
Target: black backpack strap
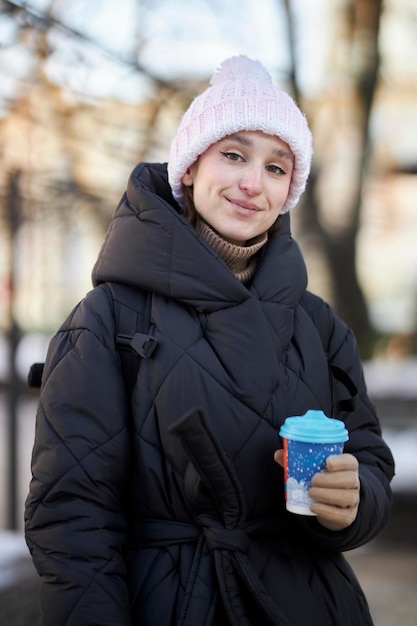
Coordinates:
(344,404)
(35,375)
(132,310)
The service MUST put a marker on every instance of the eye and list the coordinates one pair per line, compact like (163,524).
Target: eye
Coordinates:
(232,156)
(276,169)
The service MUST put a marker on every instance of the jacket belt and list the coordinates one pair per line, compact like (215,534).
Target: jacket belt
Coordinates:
(160,533)
(157,533)
(232,568)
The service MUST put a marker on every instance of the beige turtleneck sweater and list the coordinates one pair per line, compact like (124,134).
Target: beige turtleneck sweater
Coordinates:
(241,260)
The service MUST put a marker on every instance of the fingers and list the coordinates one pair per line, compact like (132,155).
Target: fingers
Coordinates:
(336,492)
(334,518)
(336,480)
(340,462)
(344,497)
(341,473)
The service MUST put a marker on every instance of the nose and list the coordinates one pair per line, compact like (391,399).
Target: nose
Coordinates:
(251,181)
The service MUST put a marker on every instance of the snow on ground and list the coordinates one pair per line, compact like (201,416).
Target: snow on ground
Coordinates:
(392,377)
(403,446)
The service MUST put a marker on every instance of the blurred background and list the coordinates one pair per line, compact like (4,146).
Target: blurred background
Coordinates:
(89,88)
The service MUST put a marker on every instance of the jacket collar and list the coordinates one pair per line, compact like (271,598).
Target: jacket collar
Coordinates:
(149,244)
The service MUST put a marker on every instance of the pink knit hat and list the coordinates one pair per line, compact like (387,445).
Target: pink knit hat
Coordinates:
(241,96)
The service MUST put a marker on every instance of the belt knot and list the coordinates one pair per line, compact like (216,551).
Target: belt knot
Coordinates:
(220,538)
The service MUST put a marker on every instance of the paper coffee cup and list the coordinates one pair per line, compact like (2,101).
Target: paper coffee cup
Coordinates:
(308,440)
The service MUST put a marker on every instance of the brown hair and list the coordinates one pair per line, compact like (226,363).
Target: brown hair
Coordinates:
(189,211)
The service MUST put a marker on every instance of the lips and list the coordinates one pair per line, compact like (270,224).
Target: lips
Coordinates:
(243,204)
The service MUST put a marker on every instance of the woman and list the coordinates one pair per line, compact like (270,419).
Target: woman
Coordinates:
(166,505)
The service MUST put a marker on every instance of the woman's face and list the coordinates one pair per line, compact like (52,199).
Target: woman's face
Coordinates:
(241,183)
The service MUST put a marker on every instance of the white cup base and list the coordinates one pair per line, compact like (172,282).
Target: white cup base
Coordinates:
(301,509)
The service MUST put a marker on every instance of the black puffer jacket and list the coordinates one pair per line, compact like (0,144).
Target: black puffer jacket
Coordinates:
(176,514)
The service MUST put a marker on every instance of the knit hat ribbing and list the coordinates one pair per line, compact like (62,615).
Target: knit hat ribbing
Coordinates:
(241,97)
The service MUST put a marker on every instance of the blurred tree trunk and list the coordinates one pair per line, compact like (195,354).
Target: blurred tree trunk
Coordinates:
(361,21)
(365,19)
(13,210)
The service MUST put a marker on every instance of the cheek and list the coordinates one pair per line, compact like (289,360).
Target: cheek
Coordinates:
(281,196)
(199,194)
(203,187)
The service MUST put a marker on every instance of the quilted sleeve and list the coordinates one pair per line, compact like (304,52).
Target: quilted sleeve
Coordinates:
(376,464)
(74,519)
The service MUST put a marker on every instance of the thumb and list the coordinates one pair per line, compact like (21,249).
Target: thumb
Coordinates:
(279,457)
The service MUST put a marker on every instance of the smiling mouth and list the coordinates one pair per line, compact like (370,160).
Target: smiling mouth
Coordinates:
(246,206)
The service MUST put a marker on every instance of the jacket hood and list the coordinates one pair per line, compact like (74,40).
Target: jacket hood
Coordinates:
(150,245)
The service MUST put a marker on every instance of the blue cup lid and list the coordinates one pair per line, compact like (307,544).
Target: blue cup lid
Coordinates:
(314,427)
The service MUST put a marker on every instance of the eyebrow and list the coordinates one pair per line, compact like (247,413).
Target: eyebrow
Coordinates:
(245,141)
